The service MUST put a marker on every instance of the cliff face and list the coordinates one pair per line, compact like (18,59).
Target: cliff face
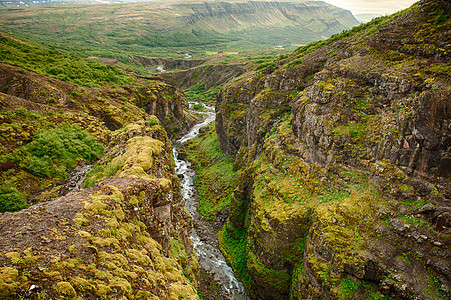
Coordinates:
(112,106)
(314,16)
(344,150)
(212,75)
(30,103)
(126,237)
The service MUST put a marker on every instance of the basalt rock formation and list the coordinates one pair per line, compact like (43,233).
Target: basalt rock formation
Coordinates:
(127,237)
(344,156)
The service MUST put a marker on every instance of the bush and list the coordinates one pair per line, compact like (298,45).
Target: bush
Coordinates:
(53,151)
(11,199)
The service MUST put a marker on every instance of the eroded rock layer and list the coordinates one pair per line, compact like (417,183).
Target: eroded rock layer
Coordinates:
(343,150)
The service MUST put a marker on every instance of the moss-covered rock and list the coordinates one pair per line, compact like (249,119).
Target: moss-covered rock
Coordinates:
(126,236)
(342,151)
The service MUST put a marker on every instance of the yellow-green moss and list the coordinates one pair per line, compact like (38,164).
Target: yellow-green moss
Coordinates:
(14,257)
(145,295)
(65,289)
(81,284)
(102,290)
(141,256)
(8,283)
(121,283)
(179,291)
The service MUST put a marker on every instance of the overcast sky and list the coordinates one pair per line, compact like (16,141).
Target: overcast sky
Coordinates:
(381,7)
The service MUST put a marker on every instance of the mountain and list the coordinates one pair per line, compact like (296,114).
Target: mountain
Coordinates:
(343,157)
(171,28)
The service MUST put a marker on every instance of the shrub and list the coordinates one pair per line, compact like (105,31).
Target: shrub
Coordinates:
(53,151)
(11,199)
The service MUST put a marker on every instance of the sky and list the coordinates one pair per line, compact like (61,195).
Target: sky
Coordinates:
(380,7)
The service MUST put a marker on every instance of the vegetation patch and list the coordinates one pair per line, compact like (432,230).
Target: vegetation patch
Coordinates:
(215,178)
(54,151)
(232,243)
(66,67)
(198,93)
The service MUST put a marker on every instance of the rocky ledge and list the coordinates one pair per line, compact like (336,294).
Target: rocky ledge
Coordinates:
(126,237)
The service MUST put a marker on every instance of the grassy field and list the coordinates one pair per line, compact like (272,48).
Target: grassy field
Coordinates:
(169,29)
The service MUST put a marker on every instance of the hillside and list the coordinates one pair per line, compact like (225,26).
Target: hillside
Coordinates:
(33,104)
(175,28)
(343,156)
(127,233)
(327,171)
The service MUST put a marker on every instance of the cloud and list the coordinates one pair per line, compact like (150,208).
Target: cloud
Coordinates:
(381,7)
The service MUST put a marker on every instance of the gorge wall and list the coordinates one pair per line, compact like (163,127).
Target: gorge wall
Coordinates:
(344,157)
(127,234)
(127,237)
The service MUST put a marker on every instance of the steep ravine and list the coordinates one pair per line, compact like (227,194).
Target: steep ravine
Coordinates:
(203,235)
(343,151)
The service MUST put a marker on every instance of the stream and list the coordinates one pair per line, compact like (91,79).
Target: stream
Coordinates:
(206,247)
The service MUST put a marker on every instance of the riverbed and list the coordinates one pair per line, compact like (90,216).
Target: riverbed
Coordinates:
(204,236)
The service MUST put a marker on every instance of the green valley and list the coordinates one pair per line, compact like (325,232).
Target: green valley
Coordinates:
(171,29)
(325,172)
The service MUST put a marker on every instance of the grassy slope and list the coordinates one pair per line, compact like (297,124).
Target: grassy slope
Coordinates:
(154,28)
(47,89)
(215,176)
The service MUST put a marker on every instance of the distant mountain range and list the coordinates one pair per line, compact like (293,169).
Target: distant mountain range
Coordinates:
(148,28)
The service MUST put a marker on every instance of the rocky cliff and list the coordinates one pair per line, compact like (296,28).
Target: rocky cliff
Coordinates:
(343,150)
(30,103)
(128,237)
(212,75)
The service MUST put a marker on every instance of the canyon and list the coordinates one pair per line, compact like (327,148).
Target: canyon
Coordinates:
(339,156)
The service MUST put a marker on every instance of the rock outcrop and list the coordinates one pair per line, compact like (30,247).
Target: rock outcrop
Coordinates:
(30,102)
(114,107)
(343,151)
(212,75)
(127,237)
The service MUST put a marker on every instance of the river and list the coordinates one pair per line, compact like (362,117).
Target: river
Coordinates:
(210,258)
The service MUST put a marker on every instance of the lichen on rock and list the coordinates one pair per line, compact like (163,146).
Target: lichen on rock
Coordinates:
(342,151)
(122,238)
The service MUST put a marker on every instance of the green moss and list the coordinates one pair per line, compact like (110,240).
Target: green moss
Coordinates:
(81,284)
(278,280)
(232,243)
(215,176)
(138,158)
(65,289)
(198,93)
(178,252)
(102,290)
(145,295)
(121,283)
(348,288)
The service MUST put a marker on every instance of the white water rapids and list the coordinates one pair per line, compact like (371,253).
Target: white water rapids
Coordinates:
(210,258)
